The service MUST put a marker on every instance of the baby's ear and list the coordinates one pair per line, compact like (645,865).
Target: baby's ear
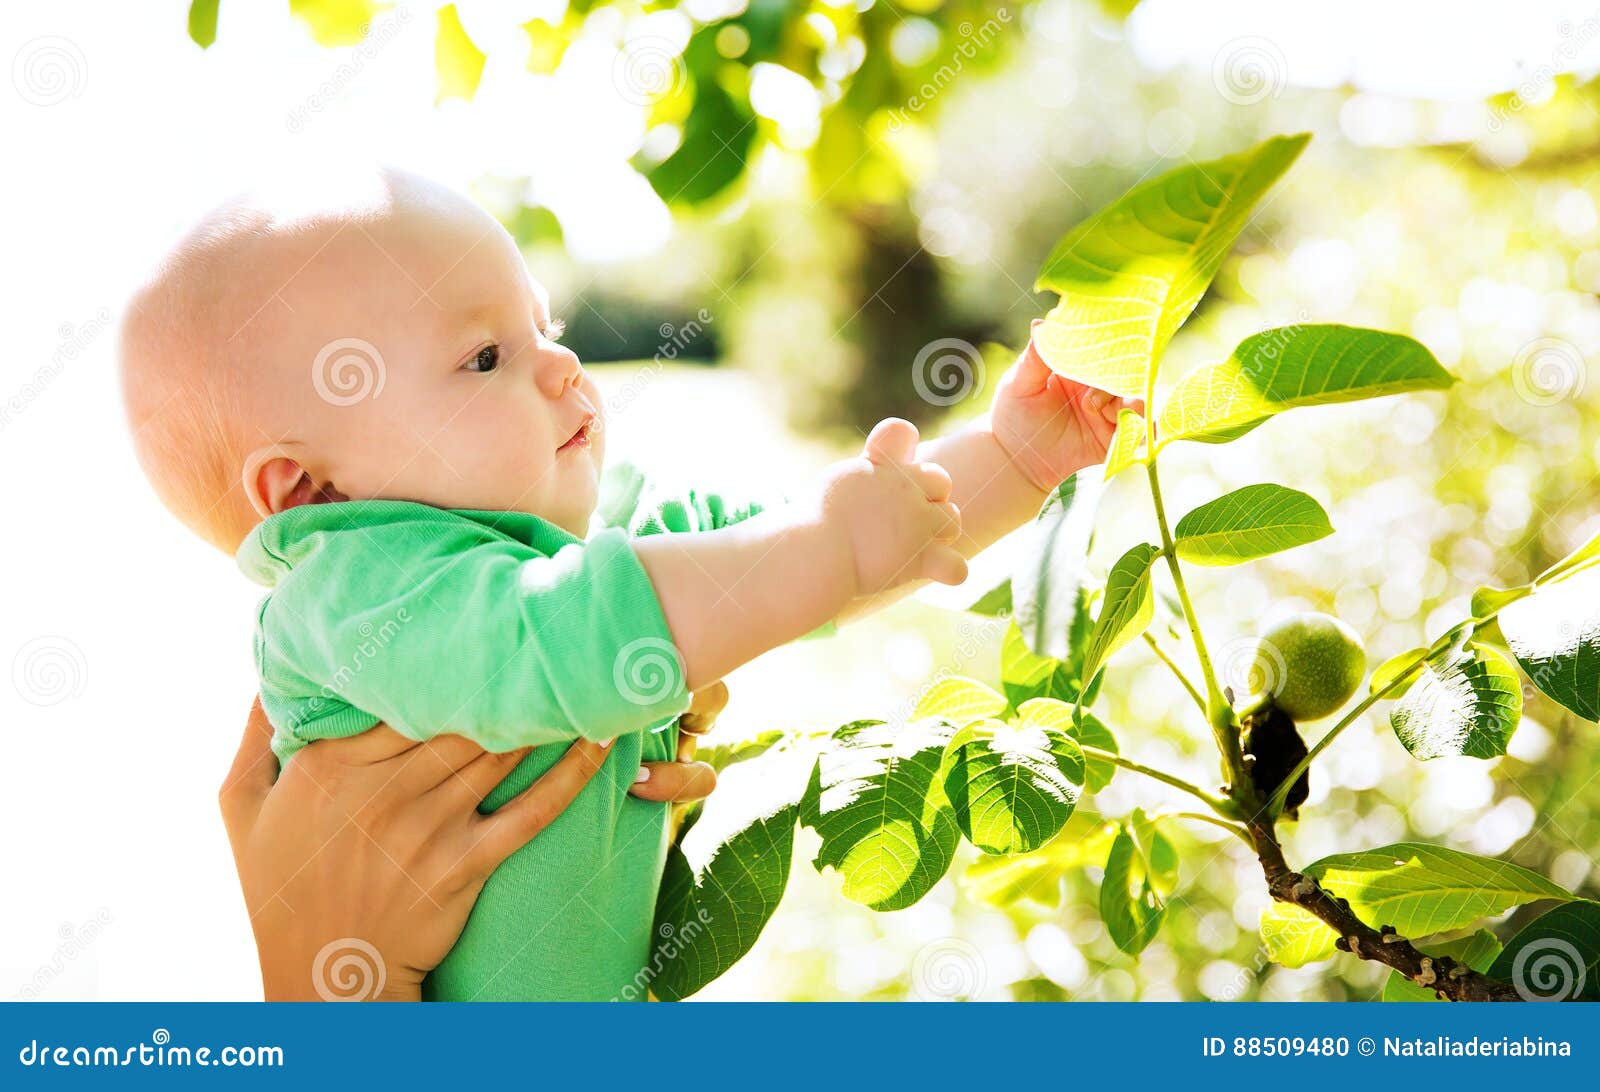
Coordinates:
(275,482)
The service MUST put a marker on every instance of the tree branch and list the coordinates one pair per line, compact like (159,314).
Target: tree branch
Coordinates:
(1448,978)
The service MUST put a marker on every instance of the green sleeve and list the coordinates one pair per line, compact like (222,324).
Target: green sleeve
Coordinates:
(631,500)
(447,628)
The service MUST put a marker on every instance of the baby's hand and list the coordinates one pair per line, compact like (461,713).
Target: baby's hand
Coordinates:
(893,514)
(1050,425)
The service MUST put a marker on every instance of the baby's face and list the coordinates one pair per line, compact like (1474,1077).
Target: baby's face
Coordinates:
(417,363)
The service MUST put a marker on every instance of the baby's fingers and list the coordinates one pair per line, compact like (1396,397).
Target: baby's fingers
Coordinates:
(943,565)
(892,441)
(932,479)
(946,519)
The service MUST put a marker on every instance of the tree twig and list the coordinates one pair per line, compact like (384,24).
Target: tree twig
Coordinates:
(1449,979)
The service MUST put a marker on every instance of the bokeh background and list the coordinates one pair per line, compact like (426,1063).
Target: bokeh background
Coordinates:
(756,217)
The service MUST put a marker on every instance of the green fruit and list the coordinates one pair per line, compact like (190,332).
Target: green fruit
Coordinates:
(1310,664)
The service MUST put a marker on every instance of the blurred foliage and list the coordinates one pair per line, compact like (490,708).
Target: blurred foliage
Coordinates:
(832,256)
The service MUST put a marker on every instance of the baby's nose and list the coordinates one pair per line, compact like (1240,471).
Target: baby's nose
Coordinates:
(558,368)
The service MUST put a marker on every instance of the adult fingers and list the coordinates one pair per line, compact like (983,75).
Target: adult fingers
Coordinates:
(892,441)
(252,774)
(675,782)
(686,748)
(705,706)
(536,807)
(467,786)
(1031,373)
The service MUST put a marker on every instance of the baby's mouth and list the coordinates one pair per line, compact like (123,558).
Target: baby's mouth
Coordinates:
(579,438)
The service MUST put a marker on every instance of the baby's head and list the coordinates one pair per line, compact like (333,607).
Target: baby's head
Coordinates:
(384,341)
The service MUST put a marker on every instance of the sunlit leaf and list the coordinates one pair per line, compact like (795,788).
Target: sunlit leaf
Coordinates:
(1249,523)
(1081,725)
(958,699)
(203,22)
(1049,572)
(1085,840)
(1422,889)
(1405,664)
(458,62)
(1555,635)
(722,756)
(1024,675)
(1141,871)
(1127,443)
(1294,937)
(877,799)
(1132,273)
(546,46)
(708,918)
(1466,704)
(718,136)
(1125,610)
(1580,558)
(996,602)
(1294,366)
(337,22)
(1013,787)
(1488,601)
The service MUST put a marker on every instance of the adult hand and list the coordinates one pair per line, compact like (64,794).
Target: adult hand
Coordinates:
(360,864)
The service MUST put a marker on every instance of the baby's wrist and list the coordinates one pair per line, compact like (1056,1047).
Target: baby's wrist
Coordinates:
(1026,468)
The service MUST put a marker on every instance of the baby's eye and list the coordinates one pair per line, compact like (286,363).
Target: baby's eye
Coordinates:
(486,359)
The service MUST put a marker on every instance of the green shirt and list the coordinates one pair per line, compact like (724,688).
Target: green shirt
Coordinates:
(504,628)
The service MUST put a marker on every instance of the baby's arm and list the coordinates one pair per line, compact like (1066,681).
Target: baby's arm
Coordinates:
(879,521)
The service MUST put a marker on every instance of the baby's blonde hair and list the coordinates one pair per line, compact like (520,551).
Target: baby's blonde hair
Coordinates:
(183,356)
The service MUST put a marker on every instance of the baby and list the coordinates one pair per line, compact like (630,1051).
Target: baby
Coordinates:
(431,542)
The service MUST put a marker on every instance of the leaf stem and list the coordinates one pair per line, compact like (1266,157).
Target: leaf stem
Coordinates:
(1232,828)
(1166,778)
(1161,654)
(1275,805)
(1224,726)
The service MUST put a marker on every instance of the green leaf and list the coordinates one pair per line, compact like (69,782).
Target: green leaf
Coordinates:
(877,799)
(1294,366)
(1141,870)
(996,602)
(1132,273)
(1126,609)
(720,756)
(1294,937)
(1035,877)
(1126,443)
(717,138)
(1081,725)
(1407,663)
(547,44)
(203,22)
(1050,570)
(458,62)
(1466,704)
(1024,675)
(1488,601)
(1556,957)
(708,918)
(1477,950)
(1249,523)
(1422,889)
(337,22)
(959,700)
(1555,635)
(1013,787)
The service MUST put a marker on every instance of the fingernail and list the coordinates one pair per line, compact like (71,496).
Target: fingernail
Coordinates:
(642,776)
(608,743)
